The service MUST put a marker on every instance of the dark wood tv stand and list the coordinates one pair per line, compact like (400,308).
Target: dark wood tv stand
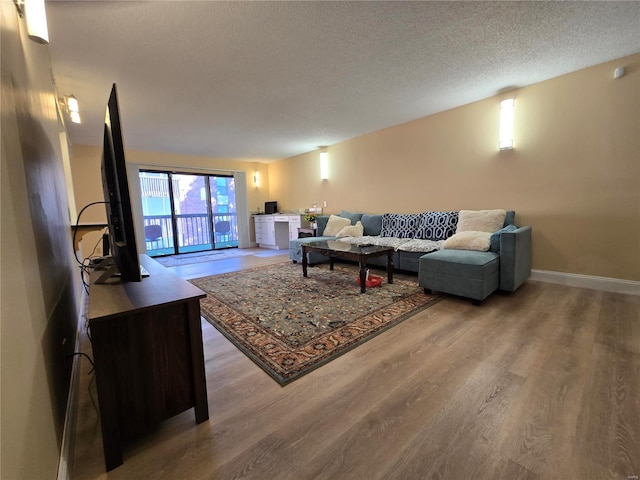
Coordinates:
(147,348)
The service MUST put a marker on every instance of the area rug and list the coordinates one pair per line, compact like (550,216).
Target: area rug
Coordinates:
(200,257)
(290,325)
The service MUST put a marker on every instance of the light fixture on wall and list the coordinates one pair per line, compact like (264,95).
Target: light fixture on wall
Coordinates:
(36,16)
(506,124)
(324,164)
(618,73)
(71,106)
(256,179)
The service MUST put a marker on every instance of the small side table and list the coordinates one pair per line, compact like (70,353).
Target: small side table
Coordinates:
(307,232)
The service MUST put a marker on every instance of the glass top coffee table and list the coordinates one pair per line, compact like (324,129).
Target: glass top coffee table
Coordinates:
(347,251)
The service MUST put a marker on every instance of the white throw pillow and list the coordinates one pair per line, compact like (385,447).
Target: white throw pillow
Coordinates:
(334,225)
(480,220)
(469,241)
(351,231)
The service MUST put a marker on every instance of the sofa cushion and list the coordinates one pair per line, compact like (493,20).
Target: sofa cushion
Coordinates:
(470,240)
(334,225)
(352,216)
(351,230)
(473,275)
(420,245)
(495,238)
(399,225)
(510,218)
(460,262)
(393,242)
(437,225)
(321,221)
(378,241)
(362,240)
(480,220)
(295,250)
(372,224)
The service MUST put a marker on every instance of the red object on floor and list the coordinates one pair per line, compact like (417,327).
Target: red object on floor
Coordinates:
(372,282)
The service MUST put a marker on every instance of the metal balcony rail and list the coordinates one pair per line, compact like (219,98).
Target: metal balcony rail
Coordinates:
(193,230)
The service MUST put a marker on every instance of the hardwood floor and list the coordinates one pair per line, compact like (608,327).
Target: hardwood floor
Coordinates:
(543,383)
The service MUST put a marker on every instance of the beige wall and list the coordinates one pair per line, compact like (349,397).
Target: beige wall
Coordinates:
(87,184)
(574,174)
(40,288)
(85,165)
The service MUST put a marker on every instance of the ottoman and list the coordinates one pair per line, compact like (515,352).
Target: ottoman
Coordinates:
(470,274)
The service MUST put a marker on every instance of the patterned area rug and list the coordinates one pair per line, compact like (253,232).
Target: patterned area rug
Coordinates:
(290,325)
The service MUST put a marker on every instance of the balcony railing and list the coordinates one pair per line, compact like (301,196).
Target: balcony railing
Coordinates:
(193,233)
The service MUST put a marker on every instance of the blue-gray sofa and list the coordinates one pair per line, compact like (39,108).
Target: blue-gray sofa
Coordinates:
(418,241)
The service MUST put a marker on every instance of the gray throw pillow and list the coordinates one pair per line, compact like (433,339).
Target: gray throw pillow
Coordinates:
(372,224)
(353,216)
(321,220)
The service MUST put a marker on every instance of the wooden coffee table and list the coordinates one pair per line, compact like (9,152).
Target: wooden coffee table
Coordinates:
(347,251)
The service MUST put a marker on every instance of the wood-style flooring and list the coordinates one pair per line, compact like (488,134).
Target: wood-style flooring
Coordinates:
(543,383)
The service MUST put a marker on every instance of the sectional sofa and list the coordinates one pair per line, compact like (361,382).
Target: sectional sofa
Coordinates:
(446,257)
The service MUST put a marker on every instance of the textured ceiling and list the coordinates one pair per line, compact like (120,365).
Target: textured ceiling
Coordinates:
(267,80)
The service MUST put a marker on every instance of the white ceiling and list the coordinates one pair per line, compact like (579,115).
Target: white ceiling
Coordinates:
(268,80)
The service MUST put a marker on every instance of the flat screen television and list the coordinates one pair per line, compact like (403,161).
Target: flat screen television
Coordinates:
(124,251)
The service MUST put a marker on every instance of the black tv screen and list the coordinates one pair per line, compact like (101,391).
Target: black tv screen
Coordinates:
(116,196)
(270,207)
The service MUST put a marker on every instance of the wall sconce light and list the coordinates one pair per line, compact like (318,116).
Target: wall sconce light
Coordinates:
(618,73)
(36,16)
(324,164)
(256,179)
(507,108)
(71,106)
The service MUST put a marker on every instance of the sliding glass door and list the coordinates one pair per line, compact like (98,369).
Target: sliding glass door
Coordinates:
(185,212)
(223,211)
(191,213)
(157,213)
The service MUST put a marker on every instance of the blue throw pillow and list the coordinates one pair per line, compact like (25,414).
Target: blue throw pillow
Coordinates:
(372,224)
(321,221)
(510,218)
(354,217)
(494,245)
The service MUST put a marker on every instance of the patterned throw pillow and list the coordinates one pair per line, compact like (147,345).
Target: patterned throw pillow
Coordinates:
(437,225)
(399,225)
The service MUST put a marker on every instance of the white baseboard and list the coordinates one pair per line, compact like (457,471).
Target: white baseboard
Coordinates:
(607,284)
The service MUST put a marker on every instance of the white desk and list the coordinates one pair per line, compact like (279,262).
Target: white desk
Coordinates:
(275,231)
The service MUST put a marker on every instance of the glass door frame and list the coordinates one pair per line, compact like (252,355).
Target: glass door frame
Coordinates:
(175,237)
